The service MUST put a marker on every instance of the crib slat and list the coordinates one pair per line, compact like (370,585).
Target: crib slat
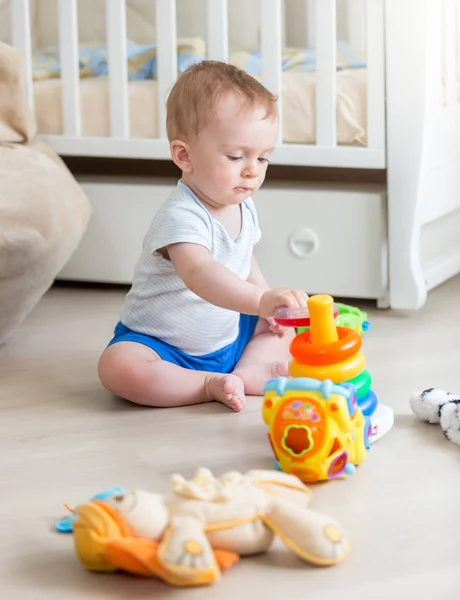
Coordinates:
(375,74)
(166,56)
(118,69)
(326,128)
(450,51)
(271,53)
(21,39)
(311,22)
(70,75)
(356,23)
(217,30)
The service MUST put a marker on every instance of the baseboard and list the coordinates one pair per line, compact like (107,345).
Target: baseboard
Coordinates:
(441,270)
(440,249)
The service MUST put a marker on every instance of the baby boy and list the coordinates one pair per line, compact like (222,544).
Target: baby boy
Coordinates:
(197,323)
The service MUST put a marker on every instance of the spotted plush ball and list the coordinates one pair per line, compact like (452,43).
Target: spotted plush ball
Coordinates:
(438,407)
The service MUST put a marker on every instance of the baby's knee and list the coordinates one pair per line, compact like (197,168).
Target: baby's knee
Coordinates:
(123,372)
(112,366)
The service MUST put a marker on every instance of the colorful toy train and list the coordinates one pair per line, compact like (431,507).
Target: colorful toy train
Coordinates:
(316,429)
(319,421)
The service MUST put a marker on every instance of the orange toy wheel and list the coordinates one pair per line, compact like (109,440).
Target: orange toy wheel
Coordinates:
(347,345)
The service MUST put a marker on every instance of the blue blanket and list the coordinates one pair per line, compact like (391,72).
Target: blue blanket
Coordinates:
(142,59)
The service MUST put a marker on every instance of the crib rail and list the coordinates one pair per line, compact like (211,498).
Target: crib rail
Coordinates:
(325,152)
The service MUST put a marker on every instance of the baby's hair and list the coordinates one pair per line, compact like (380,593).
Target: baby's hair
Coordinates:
(197,92)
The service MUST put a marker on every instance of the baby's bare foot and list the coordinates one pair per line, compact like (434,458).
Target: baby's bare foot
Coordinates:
(228,389)
(256,376)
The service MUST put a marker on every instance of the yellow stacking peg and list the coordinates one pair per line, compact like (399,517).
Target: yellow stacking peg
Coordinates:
(322,324)
(326,352)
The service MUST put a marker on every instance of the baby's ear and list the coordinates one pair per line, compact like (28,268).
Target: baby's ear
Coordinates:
(180,154)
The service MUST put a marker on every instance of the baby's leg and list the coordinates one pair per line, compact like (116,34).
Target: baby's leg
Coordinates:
(136,373)
(265,357)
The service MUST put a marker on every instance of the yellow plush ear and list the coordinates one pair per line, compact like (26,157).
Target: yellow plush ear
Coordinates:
(97,523)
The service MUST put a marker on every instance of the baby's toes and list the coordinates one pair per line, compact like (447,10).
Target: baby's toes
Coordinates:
(233,388)
(236,403)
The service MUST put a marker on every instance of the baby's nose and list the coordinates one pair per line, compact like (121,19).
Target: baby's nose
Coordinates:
(249,171)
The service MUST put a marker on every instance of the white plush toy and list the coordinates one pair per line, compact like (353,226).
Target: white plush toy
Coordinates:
(440,407)
(203,525)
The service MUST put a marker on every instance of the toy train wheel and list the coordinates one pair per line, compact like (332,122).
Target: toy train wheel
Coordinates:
(367,433)
(338,465)
(352,401)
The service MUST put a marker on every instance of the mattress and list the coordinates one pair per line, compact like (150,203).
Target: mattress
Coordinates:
(298,107)
(298,88)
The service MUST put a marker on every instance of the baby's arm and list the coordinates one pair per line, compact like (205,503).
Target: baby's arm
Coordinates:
(218,285)
(256,276)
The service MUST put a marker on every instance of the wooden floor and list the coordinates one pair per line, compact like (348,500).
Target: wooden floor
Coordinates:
(63,438)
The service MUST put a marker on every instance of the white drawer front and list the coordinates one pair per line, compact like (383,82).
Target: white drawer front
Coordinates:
(122,211)
(323,241)
(320,240)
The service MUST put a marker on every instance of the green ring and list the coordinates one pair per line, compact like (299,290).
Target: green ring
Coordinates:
(362,383)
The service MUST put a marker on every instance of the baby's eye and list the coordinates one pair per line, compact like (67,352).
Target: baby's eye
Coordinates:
(234,157)
(263,160)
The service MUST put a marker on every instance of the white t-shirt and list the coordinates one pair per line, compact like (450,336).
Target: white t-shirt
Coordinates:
(159,304)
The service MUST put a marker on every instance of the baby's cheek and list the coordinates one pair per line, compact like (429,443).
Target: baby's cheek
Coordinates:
(231,176)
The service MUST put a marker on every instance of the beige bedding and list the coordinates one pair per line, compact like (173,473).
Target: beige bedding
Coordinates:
(298,107)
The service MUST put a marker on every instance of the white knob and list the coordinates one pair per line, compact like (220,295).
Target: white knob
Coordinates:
(304,243)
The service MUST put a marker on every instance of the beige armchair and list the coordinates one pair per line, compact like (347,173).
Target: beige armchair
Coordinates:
(43,211)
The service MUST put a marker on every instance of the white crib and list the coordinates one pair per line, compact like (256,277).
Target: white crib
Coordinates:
(410,131)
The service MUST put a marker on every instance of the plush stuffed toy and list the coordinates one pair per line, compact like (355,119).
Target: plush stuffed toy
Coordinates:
(203,527)
(440,407)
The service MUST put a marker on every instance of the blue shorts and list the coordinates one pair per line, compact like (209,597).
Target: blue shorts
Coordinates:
(221,361)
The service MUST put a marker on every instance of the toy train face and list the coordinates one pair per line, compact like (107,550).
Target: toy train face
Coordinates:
(315,427)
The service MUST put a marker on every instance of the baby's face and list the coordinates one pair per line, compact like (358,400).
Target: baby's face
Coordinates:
(230,156)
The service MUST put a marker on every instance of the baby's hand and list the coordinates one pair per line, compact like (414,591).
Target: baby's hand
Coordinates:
(275,328)
(272,299)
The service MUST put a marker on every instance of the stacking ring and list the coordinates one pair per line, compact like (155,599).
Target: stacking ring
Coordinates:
(348,344)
